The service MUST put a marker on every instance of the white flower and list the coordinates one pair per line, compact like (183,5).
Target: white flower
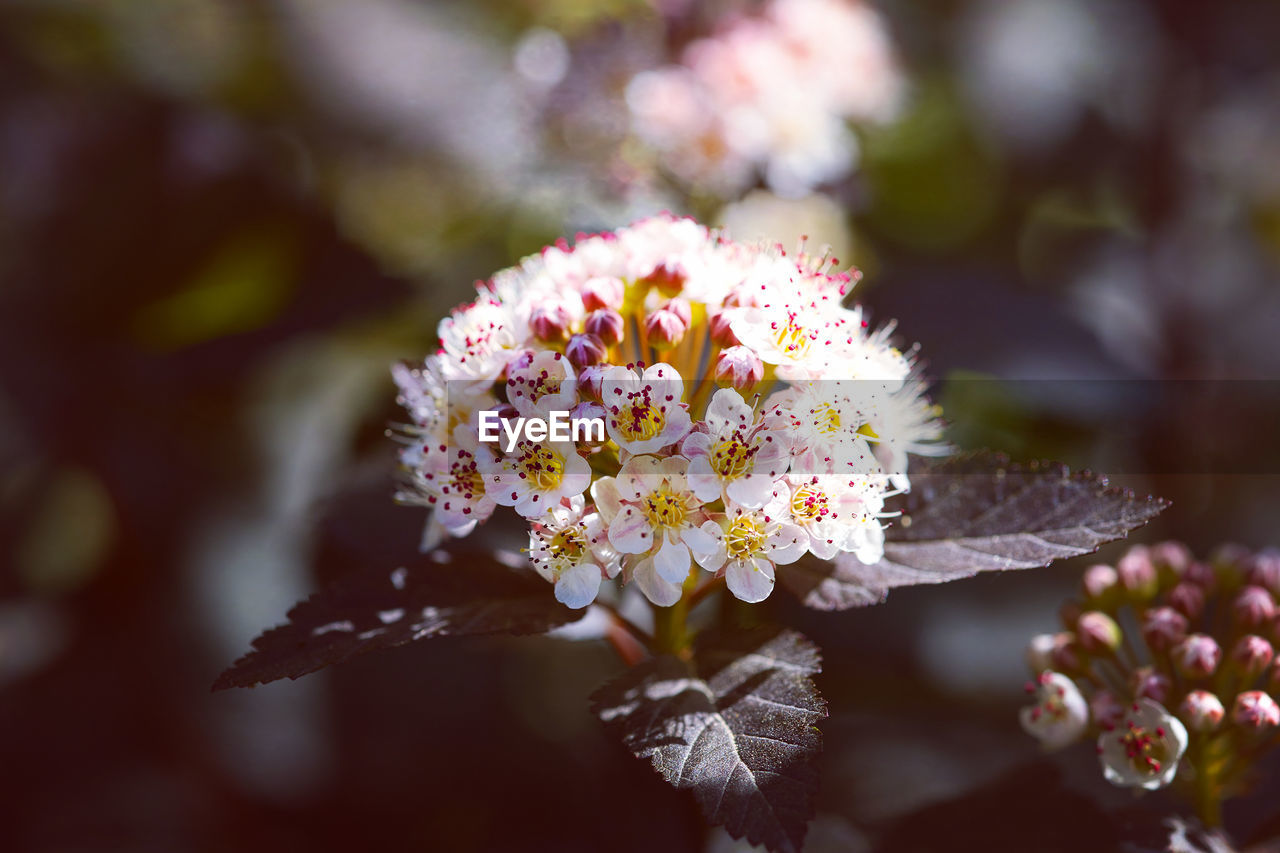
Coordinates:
(570,548)
(541,382)
(738,458)
(645,412)
(652,514)
(824,419)
(748,544)
(449,478)
(904,422)
(1060,713)
(536,476)
(1144,749)
(838,514)
(479,339)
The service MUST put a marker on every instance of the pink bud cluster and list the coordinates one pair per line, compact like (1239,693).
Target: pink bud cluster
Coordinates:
(1162,644)
(749,416)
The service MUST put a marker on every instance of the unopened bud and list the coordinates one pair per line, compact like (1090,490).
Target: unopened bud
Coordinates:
(603,292)
(721,333)
(1201,711)
(1188,599)
(1137,573)
(668,278)
(1098,581)
(1040,653)
(1201,574)
(1098,633)
(584,350)
(681,308)
(664,328)
(1253,608)
(739,367)
(1197,656)
(1255,709)
(1252,655)
(1171,556)
(1145,682)
(1106,709)
(606,324)
(550,322)
(591,380)
(1067,656)
(1264,570)
(587,409)
(1163,628)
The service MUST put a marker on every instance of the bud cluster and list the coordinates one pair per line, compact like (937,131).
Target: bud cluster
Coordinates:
(1168,661)
(750,416)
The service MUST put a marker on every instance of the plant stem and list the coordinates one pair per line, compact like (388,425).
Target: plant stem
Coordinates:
(1207,802)
(670,628)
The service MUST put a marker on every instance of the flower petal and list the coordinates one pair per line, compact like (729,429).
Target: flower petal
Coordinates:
(750,580)
(657,590)
(578,585)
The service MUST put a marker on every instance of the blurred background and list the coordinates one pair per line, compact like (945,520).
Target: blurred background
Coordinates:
(221,221)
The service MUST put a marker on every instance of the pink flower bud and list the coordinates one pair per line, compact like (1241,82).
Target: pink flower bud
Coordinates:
(668,278)
(1163,628)
(664,328)
(591,380)
(1255,709)
(1252,655)
(606,324)
(603,292)
(1253,608)
(1106,709)
(550,322)
(1264,570)
(1067,656)
(1137,572)
(1201,574)
(739,367)
(681,308)
(584,350)
(1145,682)
(1188,599)
(721,334)
(1197,656)
(1099,580)
(1098,633)
(595,411)
(1202,711)
(1173,556)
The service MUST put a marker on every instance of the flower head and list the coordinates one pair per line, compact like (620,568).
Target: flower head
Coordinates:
(570,548)
(1059,714)
(1144,750)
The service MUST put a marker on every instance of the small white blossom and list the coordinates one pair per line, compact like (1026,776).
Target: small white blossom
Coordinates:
(536,476)
(570,548)
(1144,748)
(541,382)
(748,544)
(738,457)
(645,411)
(1060,713)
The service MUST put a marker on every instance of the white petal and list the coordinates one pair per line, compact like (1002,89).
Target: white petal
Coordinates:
(630,532)
(672,561)
(578,586)
(750,581)
(787,544)
(657,590)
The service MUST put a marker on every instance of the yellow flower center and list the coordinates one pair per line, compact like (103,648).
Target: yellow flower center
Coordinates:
(792,338)
(567,545)
(663,509)
(732,457)
(542,468)
(809,504)
(826,418)
(745,537)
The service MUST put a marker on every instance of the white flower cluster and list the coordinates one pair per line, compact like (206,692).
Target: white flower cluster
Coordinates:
(772,92)
(750,417)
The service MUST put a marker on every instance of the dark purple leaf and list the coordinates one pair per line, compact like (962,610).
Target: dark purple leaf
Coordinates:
(735,726)
(445,594)
(977,513)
